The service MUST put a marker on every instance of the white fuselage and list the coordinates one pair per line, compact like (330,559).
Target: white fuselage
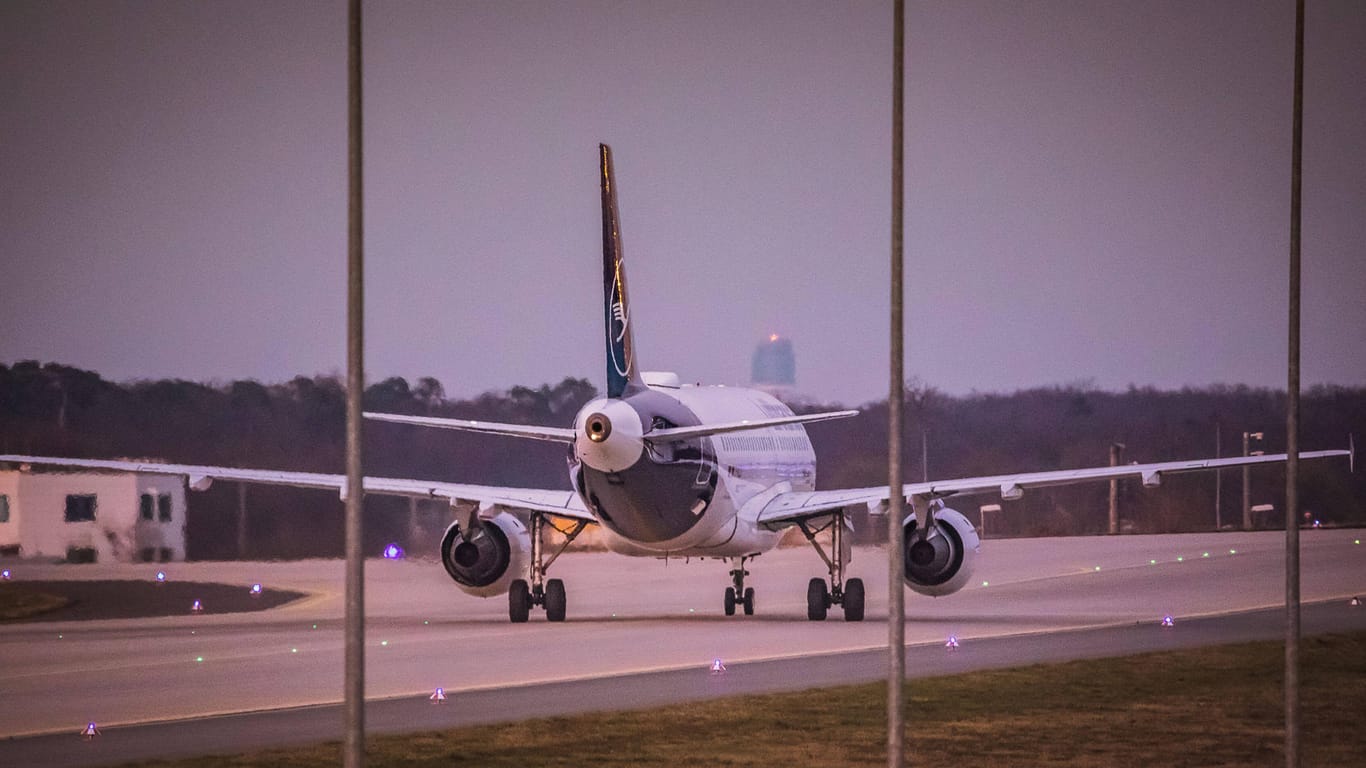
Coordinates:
(648,484)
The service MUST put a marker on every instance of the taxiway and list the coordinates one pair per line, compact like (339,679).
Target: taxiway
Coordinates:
(639,632)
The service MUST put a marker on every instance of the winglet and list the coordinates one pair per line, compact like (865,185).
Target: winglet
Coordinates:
(622,371)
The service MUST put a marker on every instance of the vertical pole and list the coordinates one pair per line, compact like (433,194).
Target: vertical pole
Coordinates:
(1114,491)
(896,564)
(1218,484)
(1247,490)
(353,745)
(1292,423)
(924,455)
(241,521)
(413,524)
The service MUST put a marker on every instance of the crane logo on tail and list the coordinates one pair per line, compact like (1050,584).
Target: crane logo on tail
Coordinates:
(621,352)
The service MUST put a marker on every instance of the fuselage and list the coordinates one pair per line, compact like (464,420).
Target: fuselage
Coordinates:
(696,497)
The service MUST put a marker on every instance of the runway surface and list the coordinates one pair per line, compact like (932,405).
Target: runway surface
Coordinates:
(648,628)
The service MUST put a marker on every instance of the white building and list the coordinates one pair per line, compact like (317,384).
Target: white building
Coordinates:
(83,516)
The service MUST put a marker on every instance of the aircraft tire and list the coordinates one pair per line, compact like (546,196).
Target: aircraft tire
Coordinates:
(853,600)
(519,602)
(749,601)
(555,600)
(730,601)
(817,599)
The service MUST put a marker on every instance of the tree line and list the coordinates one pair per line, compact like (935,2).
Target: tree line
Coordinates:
(54,409)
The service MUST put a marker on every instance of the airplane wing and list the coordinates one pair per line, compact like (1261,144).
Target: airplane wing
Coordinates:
(555,434)
(792,507)
(559,503)
(674,434)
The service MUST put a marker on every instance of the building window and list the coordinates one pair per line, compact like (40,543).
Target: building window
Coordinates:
(148,554)
(80,507)
(146,506)
(164,507)
(4,508)
(167,554)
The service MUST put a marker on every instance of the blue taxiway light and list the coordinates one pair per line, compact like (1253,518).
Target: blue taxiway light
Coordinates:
(255,589)
(161,577)
(393,552)
(5,574)
(717,667)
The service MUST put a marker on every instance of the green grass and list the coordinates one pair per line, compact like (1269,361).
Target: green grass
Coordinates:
(17,602)
(1208,707)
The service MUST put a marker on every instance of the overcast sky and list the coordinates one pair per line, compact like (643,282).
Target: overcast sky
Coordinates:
(1095,190)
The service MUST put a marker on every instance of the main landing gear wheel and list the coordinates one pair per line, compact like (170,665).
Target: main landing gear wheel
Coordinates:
(519,602)
(554,600)
(817,599)
(749,601)
(853,600)
(730,601)
(548,593)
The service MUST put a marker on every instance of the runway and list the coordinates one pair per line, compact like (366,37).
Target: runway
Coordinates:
(640,632)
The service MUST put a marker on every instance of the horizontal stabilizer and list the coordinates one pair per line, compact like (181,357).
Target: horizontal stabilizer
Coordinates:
(675,434)
(554,434)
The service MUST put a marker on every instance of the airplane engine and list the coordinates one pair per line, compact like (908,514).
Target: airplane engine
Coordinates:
(484,561)
(942,563)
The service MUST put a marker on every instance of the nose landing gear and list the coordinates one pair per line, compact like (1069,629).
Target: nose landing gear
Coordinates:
(739,594)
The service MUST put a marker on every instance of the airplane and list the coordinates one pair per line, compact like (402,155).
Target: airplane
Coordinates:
(668,469)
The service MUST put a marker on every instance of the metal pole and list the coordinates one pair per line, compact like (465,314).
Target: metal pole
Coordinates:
(1218,484)
(896,564)
(924,455)
(1247,491)
(353,745)
(1115,448)
(241,521)
(1292,424)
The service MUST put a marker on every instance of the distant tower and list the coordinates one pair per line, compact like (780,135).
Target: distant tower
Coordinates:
(774,363)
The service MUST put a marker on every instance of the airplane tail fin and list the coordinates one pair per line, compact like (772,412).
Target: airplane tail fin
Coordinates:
(622,371)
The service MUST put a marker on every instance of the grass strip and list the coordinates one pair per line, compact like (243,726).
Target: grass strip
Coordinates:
(17,602)
(1218,706)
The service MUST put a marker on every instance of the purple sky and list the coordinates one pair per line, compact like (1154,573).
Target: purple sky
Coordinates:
(1096,190)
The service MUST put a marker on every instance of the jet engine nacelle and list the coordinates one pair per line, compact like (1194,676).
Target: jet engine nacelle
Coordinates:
(941,564)
(484,561)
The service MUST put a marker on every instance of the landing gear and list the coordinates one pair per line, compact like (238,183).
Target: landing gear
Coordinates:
(848,595)
(547,593)
(519,602)
(739,594)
